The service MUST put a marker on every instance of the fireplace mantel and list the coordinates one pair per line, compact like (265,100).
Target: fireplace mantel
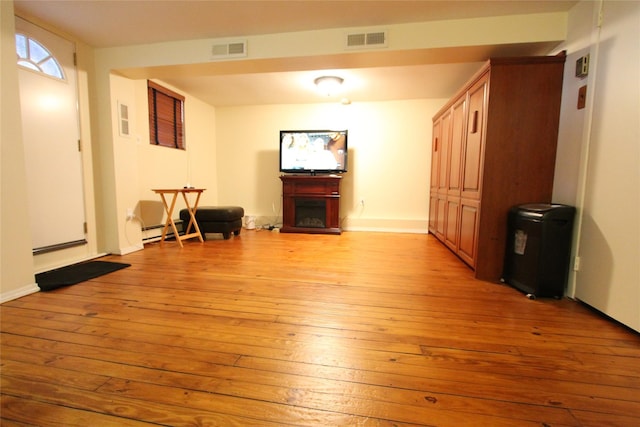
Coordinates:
(311,204)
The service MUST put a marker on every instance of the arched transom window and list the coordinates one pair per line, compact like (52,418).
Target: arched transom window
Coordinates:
(36,57)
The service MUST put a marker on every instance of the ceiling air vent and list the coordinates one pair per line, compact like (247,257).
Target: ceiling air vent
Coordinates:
(234,49)
(367,40)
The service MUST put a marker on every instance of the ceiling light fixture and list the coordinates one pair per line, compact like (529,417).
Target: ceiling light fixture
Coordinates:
(329,85)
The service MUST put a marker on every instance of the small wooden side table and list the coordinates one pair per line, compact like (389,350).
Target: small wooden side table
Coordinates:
(169,209)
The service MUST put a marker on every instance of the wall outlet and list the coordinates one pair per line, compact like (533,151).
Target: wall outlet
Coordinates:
(130,214)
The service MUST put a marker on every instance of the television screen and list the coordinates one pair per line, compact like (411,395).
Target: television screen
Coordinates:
(311,151)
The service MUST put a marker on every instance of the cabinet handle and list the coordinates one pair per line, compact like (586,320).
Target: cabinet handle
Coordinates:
(474,125)
(436,144)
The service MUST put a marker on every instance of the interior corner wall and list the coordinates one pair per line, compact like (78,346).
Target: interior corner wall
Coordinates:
(16,261)
(405,212)
(572,118)
(163,167)
(609,240)
(389,159)
(598,167)
(132,167)
(125,166)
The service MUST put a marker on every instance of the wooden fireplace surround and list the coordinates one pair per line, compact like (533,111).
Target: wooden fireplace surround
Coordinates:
(324,188)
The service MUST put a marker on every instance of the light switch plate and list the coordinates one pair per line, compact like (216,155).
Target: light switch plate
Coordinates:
(582,66)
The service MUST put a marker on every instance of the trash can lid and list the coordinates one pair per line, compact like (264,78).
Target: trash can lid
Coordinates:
(541,207)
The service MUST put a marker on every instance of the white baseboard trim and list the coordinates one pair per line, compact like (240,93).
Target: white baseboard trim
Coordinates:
(383,225)
(130,249)
(20,292)
(414,226)
(388,230)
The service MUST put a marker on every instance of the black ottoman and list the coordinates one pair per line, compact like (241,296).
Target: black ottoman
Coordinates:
(215,219)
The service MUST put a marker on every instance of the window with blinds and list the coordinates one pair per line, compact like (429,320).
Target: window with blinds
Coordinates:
(166,117)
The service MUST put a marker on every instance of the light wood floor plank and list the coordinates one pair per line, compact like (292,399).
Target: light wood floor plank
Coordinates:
(371,329)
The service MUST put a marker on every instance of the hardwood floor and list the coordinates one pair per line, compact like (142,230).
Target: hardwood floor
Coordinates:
(269,329)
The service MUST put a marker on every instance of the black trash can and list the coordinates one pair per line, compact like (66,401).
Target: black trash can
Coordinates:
(538,250)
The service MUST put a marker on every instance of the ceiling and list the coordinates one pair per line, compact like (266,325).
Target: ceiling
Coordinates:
(111,23)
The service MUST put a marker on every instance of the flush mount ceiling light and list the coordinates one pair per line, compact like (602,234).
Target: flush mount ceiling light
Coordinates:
(328,85)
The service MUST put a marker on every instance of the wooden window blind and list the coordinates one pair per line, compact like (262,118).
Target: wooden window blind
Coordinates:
(166,117)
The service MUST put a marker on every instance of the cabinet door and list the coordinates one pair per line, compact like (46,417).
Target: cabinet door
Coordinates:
(433,210)
(439,171)
(436,143)
(469,216)
(451,224)
(455,147)
(445,142)
(474,143)
(441,209)
(454,175)
(436,149)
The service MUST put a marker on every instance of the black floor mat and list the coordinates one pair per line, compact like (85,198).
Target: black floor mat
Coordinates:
(76,273)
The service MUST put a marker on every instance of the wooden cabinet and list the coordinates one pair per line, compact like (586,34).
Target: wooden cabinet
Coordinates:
(494,147)
(311,204)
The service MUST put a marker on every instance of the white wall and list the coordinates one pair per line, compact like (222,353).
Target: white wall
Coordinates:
(18,274)
(412,43)
(16,262)
(113,161)
(162,167)
(604,142)
(389,159)
(572,119)
(140,166)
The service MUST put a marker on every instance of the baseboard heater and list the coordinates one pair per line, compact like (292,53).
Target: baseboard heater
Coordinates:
(153,233)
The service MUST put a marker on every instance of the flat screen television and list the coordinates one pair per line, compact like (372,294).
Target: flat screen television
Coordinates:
(313,151)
